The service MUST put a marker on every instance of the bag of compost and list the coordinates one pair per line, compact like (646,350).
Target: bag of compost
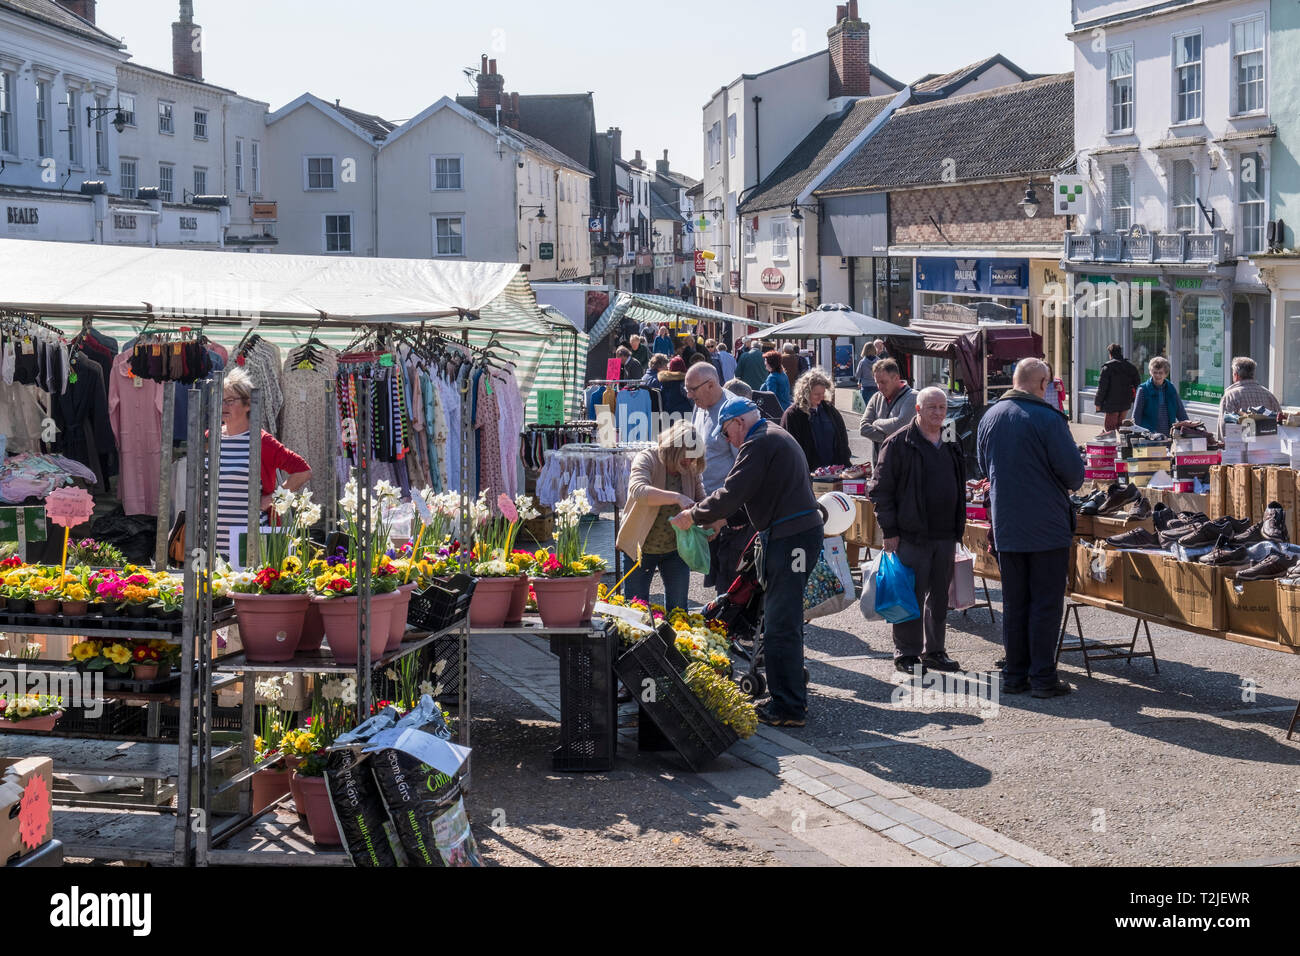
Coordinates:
(417,768)
(358,805)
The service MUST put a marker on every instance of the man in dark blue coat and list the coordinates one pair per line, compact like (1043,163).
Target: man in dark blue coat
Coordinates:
(1026,449)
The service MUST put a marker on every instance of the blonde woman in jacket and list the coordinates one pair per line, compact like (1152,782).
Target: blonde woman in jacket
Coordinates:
(664,481)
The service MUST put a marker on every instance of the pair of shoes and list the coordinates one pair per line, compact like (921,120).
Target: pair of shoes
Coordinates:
(1274,566)
(1014,687)
(908,664)
(1212,531)
(1272,528)
(767,716)
(939,662)
(1140,511)
(1225,554)
(1117,497)
(1059,689)
(1093,501)
(1137,538)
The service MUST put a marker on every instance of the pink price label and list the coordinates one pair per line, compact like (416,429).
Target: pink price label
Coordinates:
(69,507)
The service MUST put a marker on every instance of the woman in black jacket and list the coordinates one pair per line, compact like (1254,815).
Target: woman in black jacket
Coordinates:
(815,423)
(673,388)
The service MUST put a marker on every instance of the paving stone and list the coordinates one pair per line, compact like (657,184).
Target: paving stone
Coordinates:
(980,853)
(835,780)
(902,834)
(834,798)
(812,787)
(953,838)
(927,847)
(955,858)
(1006,861)
(856,791)
(882,805)
(926,825)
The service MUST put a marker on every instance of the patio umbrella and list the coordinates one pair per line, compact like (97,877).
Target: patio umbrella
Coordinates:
(834,322)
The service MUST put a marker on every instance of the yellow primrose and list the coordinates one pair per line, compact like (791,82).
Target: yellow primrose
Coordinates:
(118,654)
(85,651)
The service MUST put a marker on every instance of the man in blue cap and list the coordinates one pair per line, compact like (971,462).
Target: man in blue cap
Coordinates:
(770,481)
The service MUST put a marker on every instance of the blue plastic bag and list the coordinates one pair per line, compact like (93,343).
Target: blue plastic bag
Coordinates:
(895,590)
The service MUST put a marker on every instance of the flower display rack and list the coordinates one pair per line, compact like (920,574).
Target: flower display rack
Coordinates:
(655,679)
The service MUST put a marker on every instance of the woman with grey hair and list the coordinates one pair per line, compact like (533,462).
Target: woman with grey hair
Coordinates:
(1158,404)
(815,423)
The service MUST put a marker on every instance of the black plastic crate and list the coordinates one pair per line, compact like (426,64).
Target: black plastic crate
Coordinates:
(689,726)
(116,718)
(441,605)
(446,652)
(223,718)
(588,708)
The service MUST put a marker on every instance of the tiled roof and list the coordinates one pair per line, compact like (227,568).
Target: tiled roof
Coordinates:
(931,82)
(52,13)
(376,126)
(661,209)
(828,138)
(547,150)
(1025,127)
(567,121)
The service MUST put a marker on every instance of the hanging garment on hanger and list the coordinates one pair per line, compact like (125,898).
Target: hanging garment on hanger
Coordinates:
(310,414)
(23,410)
(511,404)
(81,414)
(135,414)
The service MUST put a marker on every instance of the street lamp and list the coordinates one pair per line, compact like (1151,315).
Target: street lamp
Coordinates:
(1029,205)
(541,212)
(95,112)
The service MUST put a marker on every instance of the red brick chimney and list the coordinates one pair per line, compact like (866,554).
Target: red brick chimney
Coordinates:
(82,8)
(187,44)
(490,85)
(850,53)
(510,110)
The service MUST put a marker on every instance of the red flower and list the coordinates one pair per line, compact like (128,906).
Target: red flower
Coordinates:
(12,562)
(266,577)
(138,579)
(340,584)
(141,652)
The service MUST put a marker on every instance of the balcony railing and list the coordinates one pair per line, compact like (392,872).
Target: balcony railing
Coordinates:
(1209,248)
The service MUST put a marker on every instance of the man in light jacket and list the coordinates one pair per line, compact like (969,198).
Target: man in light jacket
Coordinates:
(891,409)
(1026,449)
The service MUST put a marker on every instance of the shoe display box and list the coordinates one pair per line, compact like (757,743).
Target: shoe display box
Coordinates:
(1288,613)
(1280,485)
(1144,582)
(1098,573)
(1194,594)
(1251,607)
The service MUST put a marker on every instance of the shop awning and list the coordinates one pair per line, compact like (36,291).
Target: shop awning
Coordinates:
(964,345)
(73,278)
(657,309)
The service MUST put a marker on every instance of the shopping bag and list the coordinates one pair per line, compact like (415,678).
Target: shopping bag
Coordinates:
(693,546)
(867,604)
(895,590)
(830,583)
(961,589)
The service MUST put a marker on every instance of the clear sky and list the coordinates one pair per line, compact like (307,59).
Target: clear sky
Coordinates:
(652,66)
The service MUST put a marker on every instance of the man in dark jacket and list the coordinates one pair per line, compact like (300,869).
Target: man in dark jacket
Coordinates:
(919,495)
(770,481)
(1116,387)
(1026,449)
(750,367)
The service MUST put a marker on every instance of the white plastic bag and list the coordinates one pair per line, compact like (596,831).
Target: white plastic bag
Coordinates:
(867,605)
(961,589)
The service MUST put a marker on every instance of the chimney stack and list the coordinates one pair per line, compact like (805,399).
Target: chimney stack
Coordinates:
(639,163)
(82,8)
(850,53)
(490,85)
(661,165)
(187,44)
(510,110)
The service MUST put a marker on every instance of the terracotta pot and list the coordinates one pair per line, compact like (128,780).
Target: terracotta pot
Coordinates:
(593,593)
(268,786)
(518,601)
(342,626)
(47,606)
(397,624)
(75,608)
(144,671)
(561,601)
(313,629)
(32,723)
(315,806)
(491,602)
(19,606)
(270,625)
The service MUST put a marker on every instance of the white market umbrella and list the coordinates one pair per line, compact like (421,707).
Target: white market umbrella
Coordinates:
(834,321)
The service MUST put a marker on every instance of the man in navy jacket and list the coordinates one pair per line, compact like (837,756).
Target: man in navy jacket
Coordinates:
(1026,449)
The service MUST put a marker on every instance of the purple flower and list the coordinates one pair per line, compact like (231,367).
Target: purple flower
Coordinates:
(391,553)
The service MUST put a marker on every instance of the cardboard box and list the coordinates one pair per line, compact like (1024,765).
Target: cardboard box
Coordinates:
(1101,450)
(26,805)
(977,513)
(1142,466)
(826,487)
(1098,474)
(1257,499)
(1144,583)
(976,540)
(855,486)
(1194,593)
(863,531)
(1217,498)
(1238,503)
(1104,527)
(1251,607)
(1204,458)
(1099,573)
(1158,449)
(1288,614)
(1083,526)
(1188,446)
(1280,486)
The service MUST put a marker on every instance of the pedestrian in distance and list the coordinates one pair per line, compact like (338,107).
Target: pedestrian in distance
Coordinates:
(866,381)
(790,363)
(892,407)
(777,382)
(769,482)
(751,367)
(1245,392)
(1116,388)
(639,349)
(1025,447)
(919,494)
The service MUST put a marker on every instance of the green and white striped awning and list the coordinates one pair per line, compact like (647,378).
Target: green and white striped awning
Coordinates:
(657,309)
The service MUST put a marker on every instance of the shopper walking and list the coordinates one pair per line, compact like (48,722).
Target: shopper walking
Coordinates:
(866,381)
(1116,388)
(892,407)
(722,360)
(769,483)
(919,493)
(664,342)
(664,480)
(1158,404)
(815,423)
(790,362)
(675,400)
(1026,449)
(750,367)
(639,349)
(727,546)
(1245,392)
(777,382)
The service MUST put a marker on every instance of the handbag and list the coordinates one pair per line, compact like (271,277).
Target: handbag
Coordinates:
(176,541)
(895,590)
(830,583)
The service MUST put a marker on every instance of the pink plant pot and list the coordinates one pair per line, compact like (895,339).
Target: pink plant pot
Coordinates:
(518,601)
(593,594)
(313,629)
(561,601)
(397,624)
(268,786)
(341,617)
(32,723)
(270,625)
(491,602)
(144,671)
(314,804)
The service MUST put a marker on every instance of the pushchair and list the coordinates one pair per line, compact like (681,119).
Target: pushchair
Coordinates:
(741,610)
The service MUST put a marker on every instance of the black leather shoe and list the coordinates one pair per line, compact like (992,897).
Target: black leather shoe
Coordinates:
(1094,500)
(1274,566)
(1212,531)
(1137,538)
(1119,499)
(1140,511)
(1059,689)
(1274,523)
(1162,515)
(1226,554)
(1015,687)
(939,662)
(908,664)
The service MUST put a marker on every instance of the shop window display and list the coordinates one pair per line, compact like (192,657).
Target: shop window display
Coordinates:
(1202,362)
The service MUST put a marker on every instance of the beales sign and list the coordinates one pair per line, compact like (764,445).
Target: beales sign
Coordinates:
(772,279)
(22,215)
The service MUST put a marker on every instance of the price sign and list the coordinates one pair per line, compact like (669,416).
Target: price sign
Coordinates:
(614,370)
(550,406)
(69,507)
(421,507)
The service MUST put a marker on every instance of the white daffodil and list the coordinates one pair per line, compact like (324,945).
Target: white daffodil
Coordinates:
(331,690)
(524,505)
(309,514)
(391,674)
(269,689)
(282,500)
(426,688)
(386,492)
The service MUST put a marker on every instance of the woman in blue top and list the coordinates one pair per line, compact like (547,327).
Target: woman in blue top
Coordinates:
(776,382)
(664,342)
(1158,405)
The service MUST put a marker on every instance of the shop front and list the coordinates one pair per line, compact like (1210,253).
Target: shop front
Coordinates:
(1281,272)
(942,282)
